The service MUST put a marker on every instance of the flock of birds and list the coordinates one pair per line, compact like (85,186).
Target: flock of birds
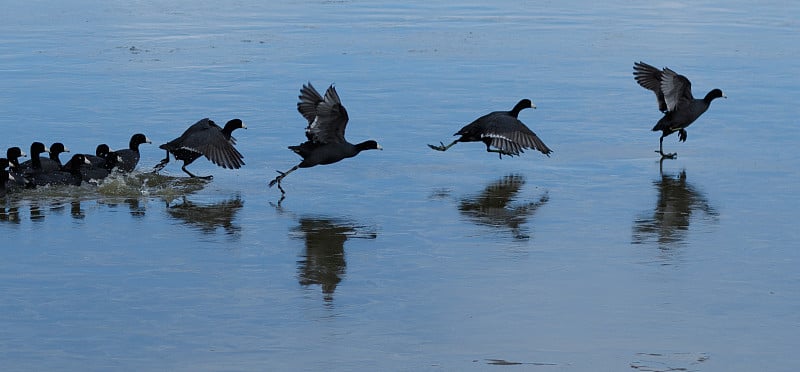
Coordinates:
(501,131)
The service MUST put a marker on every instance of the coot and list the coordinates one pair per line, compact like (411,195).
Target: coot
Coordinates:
(34,165)
(104,157)
(502,132)
(54,162)
(15,171)
(327,119)
(13,154)
(675,100)
(130,156)
(101,164)
(5,177)
(69,175)
(205,138)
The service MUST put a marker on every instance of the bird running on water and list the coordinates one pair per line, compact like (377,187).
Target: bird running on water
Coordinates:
(205,138)
(502,132)
(675,100)
(327,120)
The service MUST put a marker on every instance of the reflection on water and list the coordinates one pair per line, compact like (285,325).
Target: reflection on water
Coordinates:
(39,209)
(75,209)
(323,262)
(495,206)
(209,217)
(9,214)
(669,222)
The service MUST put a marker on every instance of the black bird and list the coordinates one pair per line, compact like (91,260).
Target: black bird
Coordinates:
(50,164)
(104,157)
(675,100)
(205,138)
(101,164)
(327,120)
(55,150)
(70,174)
(5,177)
(13,154)
(501,130)
(130,156)
(34,165)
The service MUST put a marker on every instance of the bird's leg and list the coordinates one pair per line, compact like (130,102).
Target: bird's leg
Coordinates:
(280,177)
(193,176)
(500,152)
(161,164)
(661,150)
(682,135)
(442,147)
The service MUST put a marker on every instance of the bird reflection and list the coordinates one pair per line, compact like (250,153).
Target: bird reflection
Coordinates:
(495,206)
(209,217)
(38,211)
(669,222)
(323,262)
(10,214)
(137,210)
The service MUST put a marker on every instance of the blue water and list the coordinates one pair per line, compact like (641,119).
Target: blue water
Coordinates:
(597,258)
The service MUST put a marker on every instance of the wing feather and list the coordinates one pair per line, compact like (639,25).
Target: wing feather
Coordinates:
(327,118)
(677,89)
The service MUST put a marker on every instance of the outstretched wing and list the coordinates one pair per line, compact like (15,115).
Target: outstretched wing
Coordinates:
(677,89)
(650,78)
(327,118)
(510,135)
(206,138)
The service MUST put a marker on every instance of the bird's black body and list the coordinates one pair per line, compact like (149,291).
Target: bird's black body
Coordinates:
(38,164)
(501,130)
(103,157)
(5,177)
(34,165)
(102,163)
(316,154)
(130,156)
(675,100)
(54,162)
(327,120)
(206,138)
(16,178)
(70,174)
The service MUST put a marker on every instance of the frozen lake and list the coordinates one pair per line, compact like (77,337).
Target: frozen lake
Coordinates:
(598,258)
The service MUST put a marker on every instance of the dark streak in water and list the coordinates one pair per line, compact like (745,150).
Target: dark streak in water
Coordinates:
(209,217)
(495,206)
(677,201)
(323,261)
(503,362)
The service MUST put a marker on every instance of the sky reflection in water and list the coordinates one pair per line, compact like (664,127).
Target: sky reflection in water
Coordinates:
(434,261)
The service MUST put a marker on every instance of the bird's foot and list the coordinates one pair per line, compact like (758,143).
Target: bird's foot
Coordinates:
(159,166)
(277,181)
(682,134)
(209,177)
(441,147)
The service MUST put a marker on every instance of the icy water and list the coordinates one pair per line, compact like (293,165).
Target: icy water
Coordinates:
(598,258)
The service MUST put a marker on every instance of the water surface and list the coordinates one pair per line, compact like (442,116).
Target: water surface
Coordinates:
(597,258)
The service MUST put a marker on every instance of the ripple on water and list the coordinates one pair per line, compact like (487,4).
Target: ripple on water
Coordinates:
(131,185)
